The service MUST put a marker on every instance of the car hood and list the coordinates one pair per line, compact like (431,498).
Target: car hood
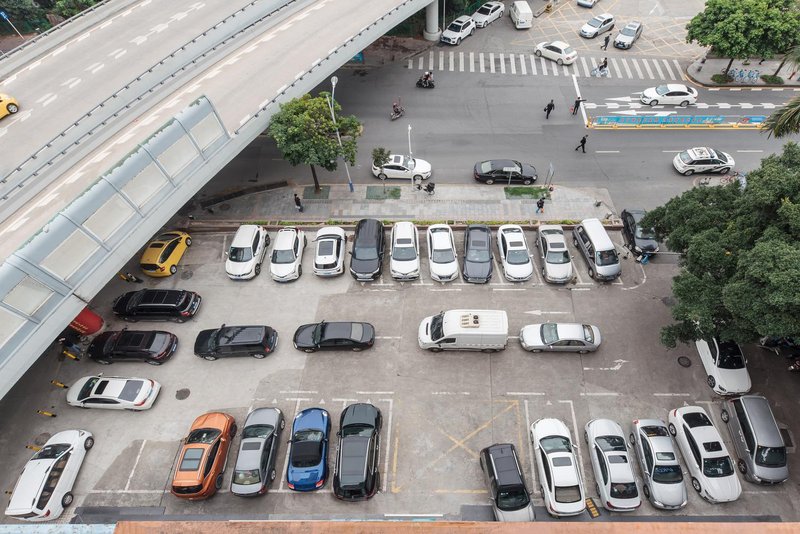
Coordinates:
(281,270)
(95,349)
(304,336)
(627,39)
(586,28)
(723,489)
(444,270)
(650,93)
(239,268)
(559,271)
(528,170)
(421,166)
(669,494)
(364,267)
(75,389)
(734,380)
(646,245)
(531,335)
(523,514)
(477,270)
(519,271)
(404,267)
(202,344)
(448,34)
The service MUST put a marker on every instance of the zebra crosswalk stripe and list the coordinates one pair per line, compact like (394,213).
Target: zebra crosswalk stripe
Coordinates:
(677,67)
(669,70)
(441,56)
(461,62)
(472,61)
(616,67)
(658,68)
(503,64)
(491,62)
(522,68)
(627,68)
(441,62)
(647,68)
(636,66)
(585,66)
(533,65)
(544,65)
(480,61)
(450,63)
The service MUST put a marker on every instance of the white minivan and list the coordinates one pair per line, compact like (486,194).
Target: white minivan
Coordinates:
(484,330)
(521,14)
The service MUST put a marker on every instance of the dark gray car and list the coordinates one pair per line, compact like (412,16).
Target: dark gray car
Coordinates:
(367,254)
(478,258)
(638,238)
(255,464)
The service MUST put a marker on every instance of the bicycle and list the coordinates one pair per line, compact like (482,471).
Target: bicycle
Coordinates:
(753,75)
(597,72)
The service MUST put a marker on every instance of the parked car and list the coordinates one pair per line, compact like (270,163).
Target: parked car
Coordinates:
(478,257)
(557,468)
(560,337)
(154,347)
(639,239)
(307,465)
(331,247)
(662,476)
(203,456)
(504,171)
(248,248)
(157,305)
(367,256)
(8,105)
(514,253)
(673,93)
(356,475)
(587,3)
(702,159)
(505,483)
(44,488)
(705,455)
(558,51)
(255,464)
(286,263)
(113,393)
(597,25)
(488,13)
(162,255)
(403,167)
(725,366)
(628,35)
(334,336)
(458,30)
(442,256)
(613,470)
(256,340)
(553,251)
(404,254)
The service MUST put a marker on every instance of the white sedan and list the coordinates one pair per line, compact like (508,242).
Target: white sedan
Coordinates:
(725,366)
(514,253)
(488,13)
(613,469)
(113,393)
(704,454)
(442,256)
(560,337)
(286,263)
(557,467)
(329,257)
(557,51)
(405,167)
(556,261)
(404,254)
(672,93)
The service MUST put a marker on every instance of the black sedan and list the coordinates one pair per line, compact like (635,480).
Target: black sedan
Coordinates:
(640,240)
(505,171)
(153,347)
(334,336)
(478,258)
(356,475)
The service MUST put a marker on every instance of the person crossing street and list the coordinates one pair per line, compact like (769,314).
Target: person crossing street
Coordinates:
(582,144)
(604,46)
(548,108)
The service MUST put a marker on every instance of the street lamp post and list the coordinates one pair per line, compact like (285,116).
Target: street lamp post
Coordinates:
(334,81)
(410,154)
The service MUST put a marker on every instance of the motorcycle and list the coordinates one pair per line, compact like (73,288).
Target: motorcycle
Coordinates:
(795,366)
(397,112)
(425,84)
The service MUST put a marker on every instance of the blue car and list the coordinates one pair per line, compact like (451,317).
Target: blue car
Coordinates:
(308,450)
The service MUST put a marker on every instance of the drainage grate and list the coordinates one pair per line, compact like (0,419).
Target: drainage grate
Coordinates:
(182,394)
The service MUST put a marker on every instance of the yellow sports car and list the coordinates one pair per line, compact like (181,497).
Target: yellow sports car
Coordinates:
(8,105)
(162,255)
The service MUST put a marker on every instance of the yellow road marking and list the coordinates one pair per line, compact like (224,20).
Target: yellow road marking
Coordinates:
(395,487)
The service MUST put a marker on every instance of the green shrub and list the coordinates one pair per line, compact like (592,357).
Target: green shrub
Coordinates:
(721,78)
(772,79)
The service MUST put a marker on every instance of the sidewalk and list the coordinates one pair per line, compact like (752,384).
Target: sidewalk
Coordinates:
(456,203)
(701,73)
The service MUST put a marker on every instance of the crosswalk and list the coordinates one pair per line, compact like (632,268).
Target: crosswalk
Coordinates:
(530,65)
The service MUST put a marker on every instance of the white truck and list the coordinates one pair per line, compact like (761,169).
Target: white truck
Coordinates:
(484,330)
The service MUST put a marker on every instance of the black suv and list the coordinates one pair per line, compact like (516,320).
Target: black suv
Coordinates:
(256,341)
(367,256)
(356,475)
(507,491)
(153,347)
(157,305)
(478,257)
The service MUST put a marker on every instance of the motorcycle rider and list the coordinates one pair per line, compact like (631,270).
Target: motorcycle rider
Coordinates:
(396,109)
(427,78)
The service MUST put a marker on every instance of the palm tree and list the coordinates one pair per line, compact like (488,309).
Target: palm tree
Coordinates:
(783,121)
(792,56)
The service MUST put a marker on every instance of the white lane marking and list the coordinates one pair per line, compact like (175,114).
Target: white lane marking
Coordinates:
(451,61)
(533,65)
(472,61)
(480,59)
(606,151)
(672,395)
(491,62)
(578,93)
(750,151)
(84,36)
(411,515)
(375,393)
(139,40)
(244,119)
(43,98)
(450,393)
(669,70)
(298,391)
(616,67)
(627,68)
(575,430)
(59,50)
(49,100)
(389,444)
(530,446)
(617,367)
(543,63)
(502,63)
(586,70)
(286,460)
(522,65)
(526,393)
(600,394)
(106,24)
(135,463)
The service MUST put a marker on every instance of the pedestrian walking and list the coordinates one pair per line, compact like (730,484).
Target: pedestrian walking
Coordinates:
(548,108)
(582,144)
(604,46)
(297,203)
(577,105)
(540,205)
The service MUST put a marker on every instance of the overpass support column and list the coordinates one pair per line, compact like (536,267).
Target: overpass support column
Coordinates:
(432,31)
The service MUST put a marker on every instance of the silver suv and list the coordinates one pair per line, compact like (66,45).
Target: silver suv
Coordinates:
(506,484)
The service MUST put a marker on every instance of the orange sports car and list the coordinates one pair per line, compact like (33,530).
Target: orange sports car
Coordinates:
(203,456)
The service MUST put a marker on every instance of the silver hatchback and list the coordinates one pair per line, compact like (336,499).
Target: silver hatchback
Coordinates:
(662,477)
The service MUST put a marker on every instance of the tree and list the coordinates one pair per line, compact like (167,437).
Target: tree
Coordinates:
(305,133)
(22,13)
(70,8)
(740,29)
(380,156)
(784,120)
(740,266)
(792,57)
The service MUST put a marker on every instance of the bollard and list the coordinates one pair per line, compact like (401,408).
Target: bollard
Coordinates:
(47,414)
(59,384)
(68,354)
(33,448)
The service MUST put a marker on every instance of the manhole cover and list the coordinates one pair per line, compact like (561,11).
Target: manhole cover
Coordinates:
(41,439)
(224,207)
(684,361)
(182,393)
(185,275)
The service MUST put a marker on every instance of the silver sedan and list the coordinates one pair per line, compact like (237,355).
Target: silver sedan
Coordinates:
(561,337)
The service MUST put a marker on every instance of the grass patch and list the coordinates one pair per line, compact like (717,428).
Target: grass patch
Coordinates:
(535,191)
(378,192)
(772,79)
(309,193)
(721,78)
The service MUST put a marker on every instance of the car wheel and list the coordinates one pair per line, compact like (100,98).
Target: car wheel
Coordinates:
(696,485)
(173,269)
(382,176)
(259,355)
(489,181)
(527,181)
(272,475)
(742,467)
(685,103)
(218,482)
(88,443)
(559,61)
(472,31)
(12,108)
(688,172)
(537,351)
(489,351)
(724,416)
(209,357)
(356,349)
(283,424)
(417,177)
(646,491)
(538,53)
(458,41)
(711,381)
(299,271)
(672,430)
(258,269)
(153,362)
(435,349)
(653,103)
(188,241)
(724,170)
(309,350)
(591,272)
(67,499)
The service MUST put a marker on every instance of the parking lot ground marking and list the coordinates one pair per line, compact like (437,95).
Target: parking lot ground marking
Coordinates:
(430,61)
(450,393)
(298,400)
(286,460)
(459,444)
(527,393)
(627,68)
(135,463)
(389,443)
(536,491)
(395,487)
(522,65)
(672,394)
(451,61)
(480,59)
(599,394)
(509,289)
(293,391)
(446,289)
(503,63)
(533,65)
(576,442)
(128,491)
(472,61)
(491,62)
(461,491)
(593,511)
(580,289)
(224,247)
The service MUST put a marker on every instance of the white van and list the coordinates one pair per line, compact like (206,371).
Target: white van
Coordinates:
(597,249)
(485,330)
(521,14)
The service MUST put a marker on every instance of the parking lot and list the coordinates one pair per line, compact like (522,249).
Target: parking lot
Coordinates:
(439,410)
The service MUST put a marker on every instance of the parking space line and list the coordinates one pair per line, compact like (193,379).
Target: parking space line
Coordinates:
(376,393)
(395,488)
(672,394)
(295,391)
(527,393)
(297,399)
(388,441)
(536,491)
(446,289)
(576,441)
(509,289)
(130,491)
(459,444)
(599,393)
(286,460)
(135,463)
(644,279)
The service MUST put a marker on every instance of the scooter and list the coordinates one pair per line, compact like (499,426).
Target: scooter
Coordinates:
(795,366)
(397,111)
(425,84)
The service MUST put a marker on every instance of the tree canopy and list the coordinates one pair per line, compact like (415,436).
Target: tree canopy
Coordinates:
(306,135)
(740,266)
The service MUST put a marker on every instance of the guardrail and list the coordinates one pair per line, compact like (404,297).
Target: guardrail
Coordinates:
(677,121)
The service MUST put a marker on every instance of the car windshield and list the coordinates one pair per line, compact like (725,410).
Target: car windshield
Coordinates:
(131,390)
(511,499)
(568,50)
(557,257)
(258,431)
(549,333)
(203,435)
(316,335)
(454,27)
(624,490)
(611,443)
(667,474)
(629,31)
(405,252)
(555,444)
(86,390)
(239,254)
(685,158)
(717,467)
(607,257)
(568,494)
(443,255)
(51,451)
(478,255)
(518,257)
(595,22)
(644,233)
(283,256)
(485,10)
(362,430)
(365,253)
(730,356)
(308,435)
(246,477)
(662,90)
(436,327)
(771,456)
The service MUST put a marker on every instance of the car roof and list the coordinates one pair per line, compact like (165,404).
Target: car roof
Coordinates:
(440,237)
(463,18)
(633,24)
(244,236)
(250,453)
(551,427)
(135,338)
(404,229)
(367,232)
(239,335)
(677,87)
(506,468)
(163,297)
(560,44)
(285,238)
(569,330)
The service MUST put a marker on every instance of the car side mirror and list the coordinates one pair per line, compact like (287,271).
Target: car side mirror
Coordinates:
(226,253)
(339,433)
